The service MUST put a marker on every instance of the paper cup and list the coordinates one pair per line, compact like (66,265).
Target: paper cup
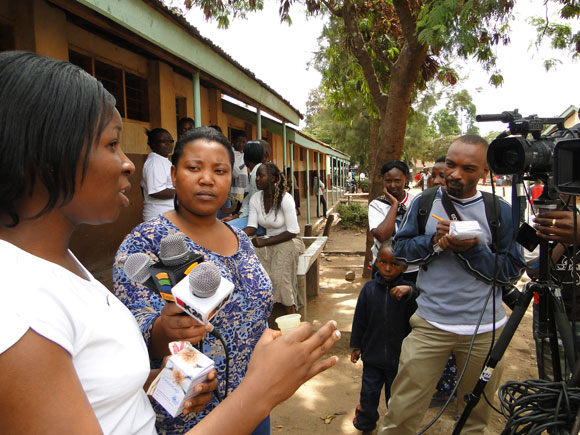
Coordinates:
(288,322)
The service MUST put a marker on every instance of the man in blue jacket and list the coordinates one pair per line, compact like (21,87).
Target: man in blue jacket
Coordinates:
(454,281)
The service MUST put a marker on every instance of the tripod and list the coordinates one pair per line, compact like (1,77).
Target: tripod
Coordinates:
(552,316)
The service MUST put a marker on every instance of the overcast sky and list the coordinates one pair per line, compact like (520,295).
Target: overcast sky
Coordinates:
(279,54)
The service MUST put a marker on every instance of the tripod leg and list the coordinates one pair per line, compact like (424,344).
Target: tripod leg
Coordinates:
(553,338)
(565,330)
(496,354)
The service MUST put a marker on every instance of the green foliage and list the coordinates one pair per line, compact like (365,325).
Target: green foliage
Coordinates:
(438,147)
(558,29)
(466,28)
(491,136)
(330,125)
(446,123)
(365,185)
(427,141)
(353,215)
(343,84)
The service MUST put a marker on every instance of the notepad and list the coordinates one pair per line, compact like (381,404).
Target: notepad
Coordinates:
(462,230)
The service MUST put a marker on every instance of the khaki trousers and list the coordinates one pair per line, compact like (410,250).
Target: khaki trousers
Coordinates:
(424,354)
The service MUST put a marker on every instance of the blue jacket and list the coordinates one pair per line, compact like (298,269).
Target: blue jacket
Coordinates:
(381,322)
(453,287)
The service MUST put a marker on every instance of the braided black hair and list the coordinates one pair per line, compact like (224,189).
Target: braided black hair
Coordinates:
(279,188)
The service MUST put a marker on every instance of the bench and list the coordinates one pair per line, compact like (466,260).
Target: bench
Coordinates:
(309,269)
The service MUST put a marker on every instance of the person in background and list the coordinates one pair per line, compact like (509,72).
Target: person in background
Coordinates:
(253,157)
(321,198)
(557,226)
(239,171)
(425,178)
(272,207)
(379,325)
(293,184)
(158,190)
(536,190)
(201,173)
(361,178)
(184,125)
(70,350)
(438,173)
(386,212)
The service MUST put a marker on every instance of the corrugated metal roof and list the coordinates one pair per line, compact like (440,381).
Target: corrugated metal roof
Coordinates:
(193,31)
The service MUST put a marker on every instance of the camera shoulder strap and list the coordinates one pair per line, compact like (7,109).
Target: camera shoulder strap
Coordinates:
(426,203)
(449,207)
(490,203)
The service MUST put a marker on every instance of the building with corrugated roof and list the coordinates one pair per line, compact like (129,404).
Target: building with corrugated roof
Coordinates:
(160,69)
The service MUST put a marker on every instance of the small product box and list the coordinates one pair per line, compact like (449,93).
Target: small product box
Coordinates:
(463,230)
(176,382)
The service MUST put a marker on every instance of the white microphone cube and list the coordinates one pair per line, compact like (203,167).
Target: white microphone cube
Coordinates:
(201,309)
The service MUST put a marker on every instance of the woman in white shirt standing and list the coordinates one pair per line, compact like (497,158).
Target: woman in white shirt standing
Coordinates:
(72,359)
(158,190)
(273,208)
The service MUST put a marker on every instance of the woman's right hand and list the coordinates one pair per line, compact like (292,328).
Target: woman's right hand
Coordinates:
(176,325)
(390,198)
(279,365)
(282,363)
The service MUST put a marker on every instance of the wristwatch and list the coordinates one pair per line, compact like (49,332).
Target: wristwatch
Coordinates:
(436,248)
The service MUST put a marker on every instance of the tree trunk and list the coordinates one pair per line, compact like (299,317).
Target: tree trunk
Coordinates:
(393,123)
(375,188)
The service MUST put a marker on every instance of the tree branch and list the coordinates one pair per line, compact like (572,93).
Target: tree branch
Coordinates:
(333,10)
(408,23)
(364,59)
(383,59)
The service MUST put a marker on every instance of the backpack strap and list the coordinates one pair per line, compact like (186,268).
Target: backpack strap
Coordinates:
(425,204)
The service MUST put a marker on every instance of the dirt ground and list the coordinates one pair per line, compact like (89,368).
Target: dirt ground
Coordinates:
(325,404)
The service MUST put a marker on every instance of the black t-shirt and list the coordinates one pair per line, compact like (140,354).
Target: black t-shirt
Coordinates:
(562,274)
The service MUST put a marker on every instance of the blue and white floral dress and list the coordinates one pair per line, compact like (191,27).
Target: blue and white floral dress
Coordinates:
(241,321)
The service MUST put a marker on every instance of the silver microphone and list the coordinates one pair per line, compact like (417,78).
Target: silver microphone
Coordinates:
(204,293)
(173,250)
(204,279)
(137,267)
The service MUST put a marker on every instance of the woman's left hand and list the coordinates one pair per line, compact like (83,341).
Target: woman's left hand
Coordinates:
(259,242)
(204,395)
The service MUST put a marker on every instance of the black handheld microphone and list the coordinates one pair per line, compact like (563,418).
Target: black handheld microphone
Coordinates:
(176,263)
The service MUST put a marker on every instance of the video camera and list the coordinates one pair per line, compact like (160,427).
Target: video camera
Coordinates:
(512,152)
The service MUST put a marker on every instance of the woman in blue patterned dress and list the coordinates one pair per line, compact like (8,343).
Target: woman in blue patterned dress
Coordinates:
(201,175)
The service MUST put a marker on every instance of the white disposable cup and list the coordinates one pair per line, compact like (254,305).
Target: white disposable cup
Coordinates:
(288,322)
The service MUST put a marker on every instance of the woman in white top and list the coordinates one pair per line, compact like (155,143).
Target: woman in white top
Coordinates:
(71,356)
(156,184)
(273,208)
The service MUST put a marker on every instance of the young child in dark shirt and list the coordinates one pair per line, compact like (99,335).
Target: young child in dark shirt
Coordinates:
(380,323)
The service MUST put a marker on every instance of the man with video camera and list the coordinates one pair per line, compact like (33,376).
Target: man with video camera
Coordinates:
(454,281)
